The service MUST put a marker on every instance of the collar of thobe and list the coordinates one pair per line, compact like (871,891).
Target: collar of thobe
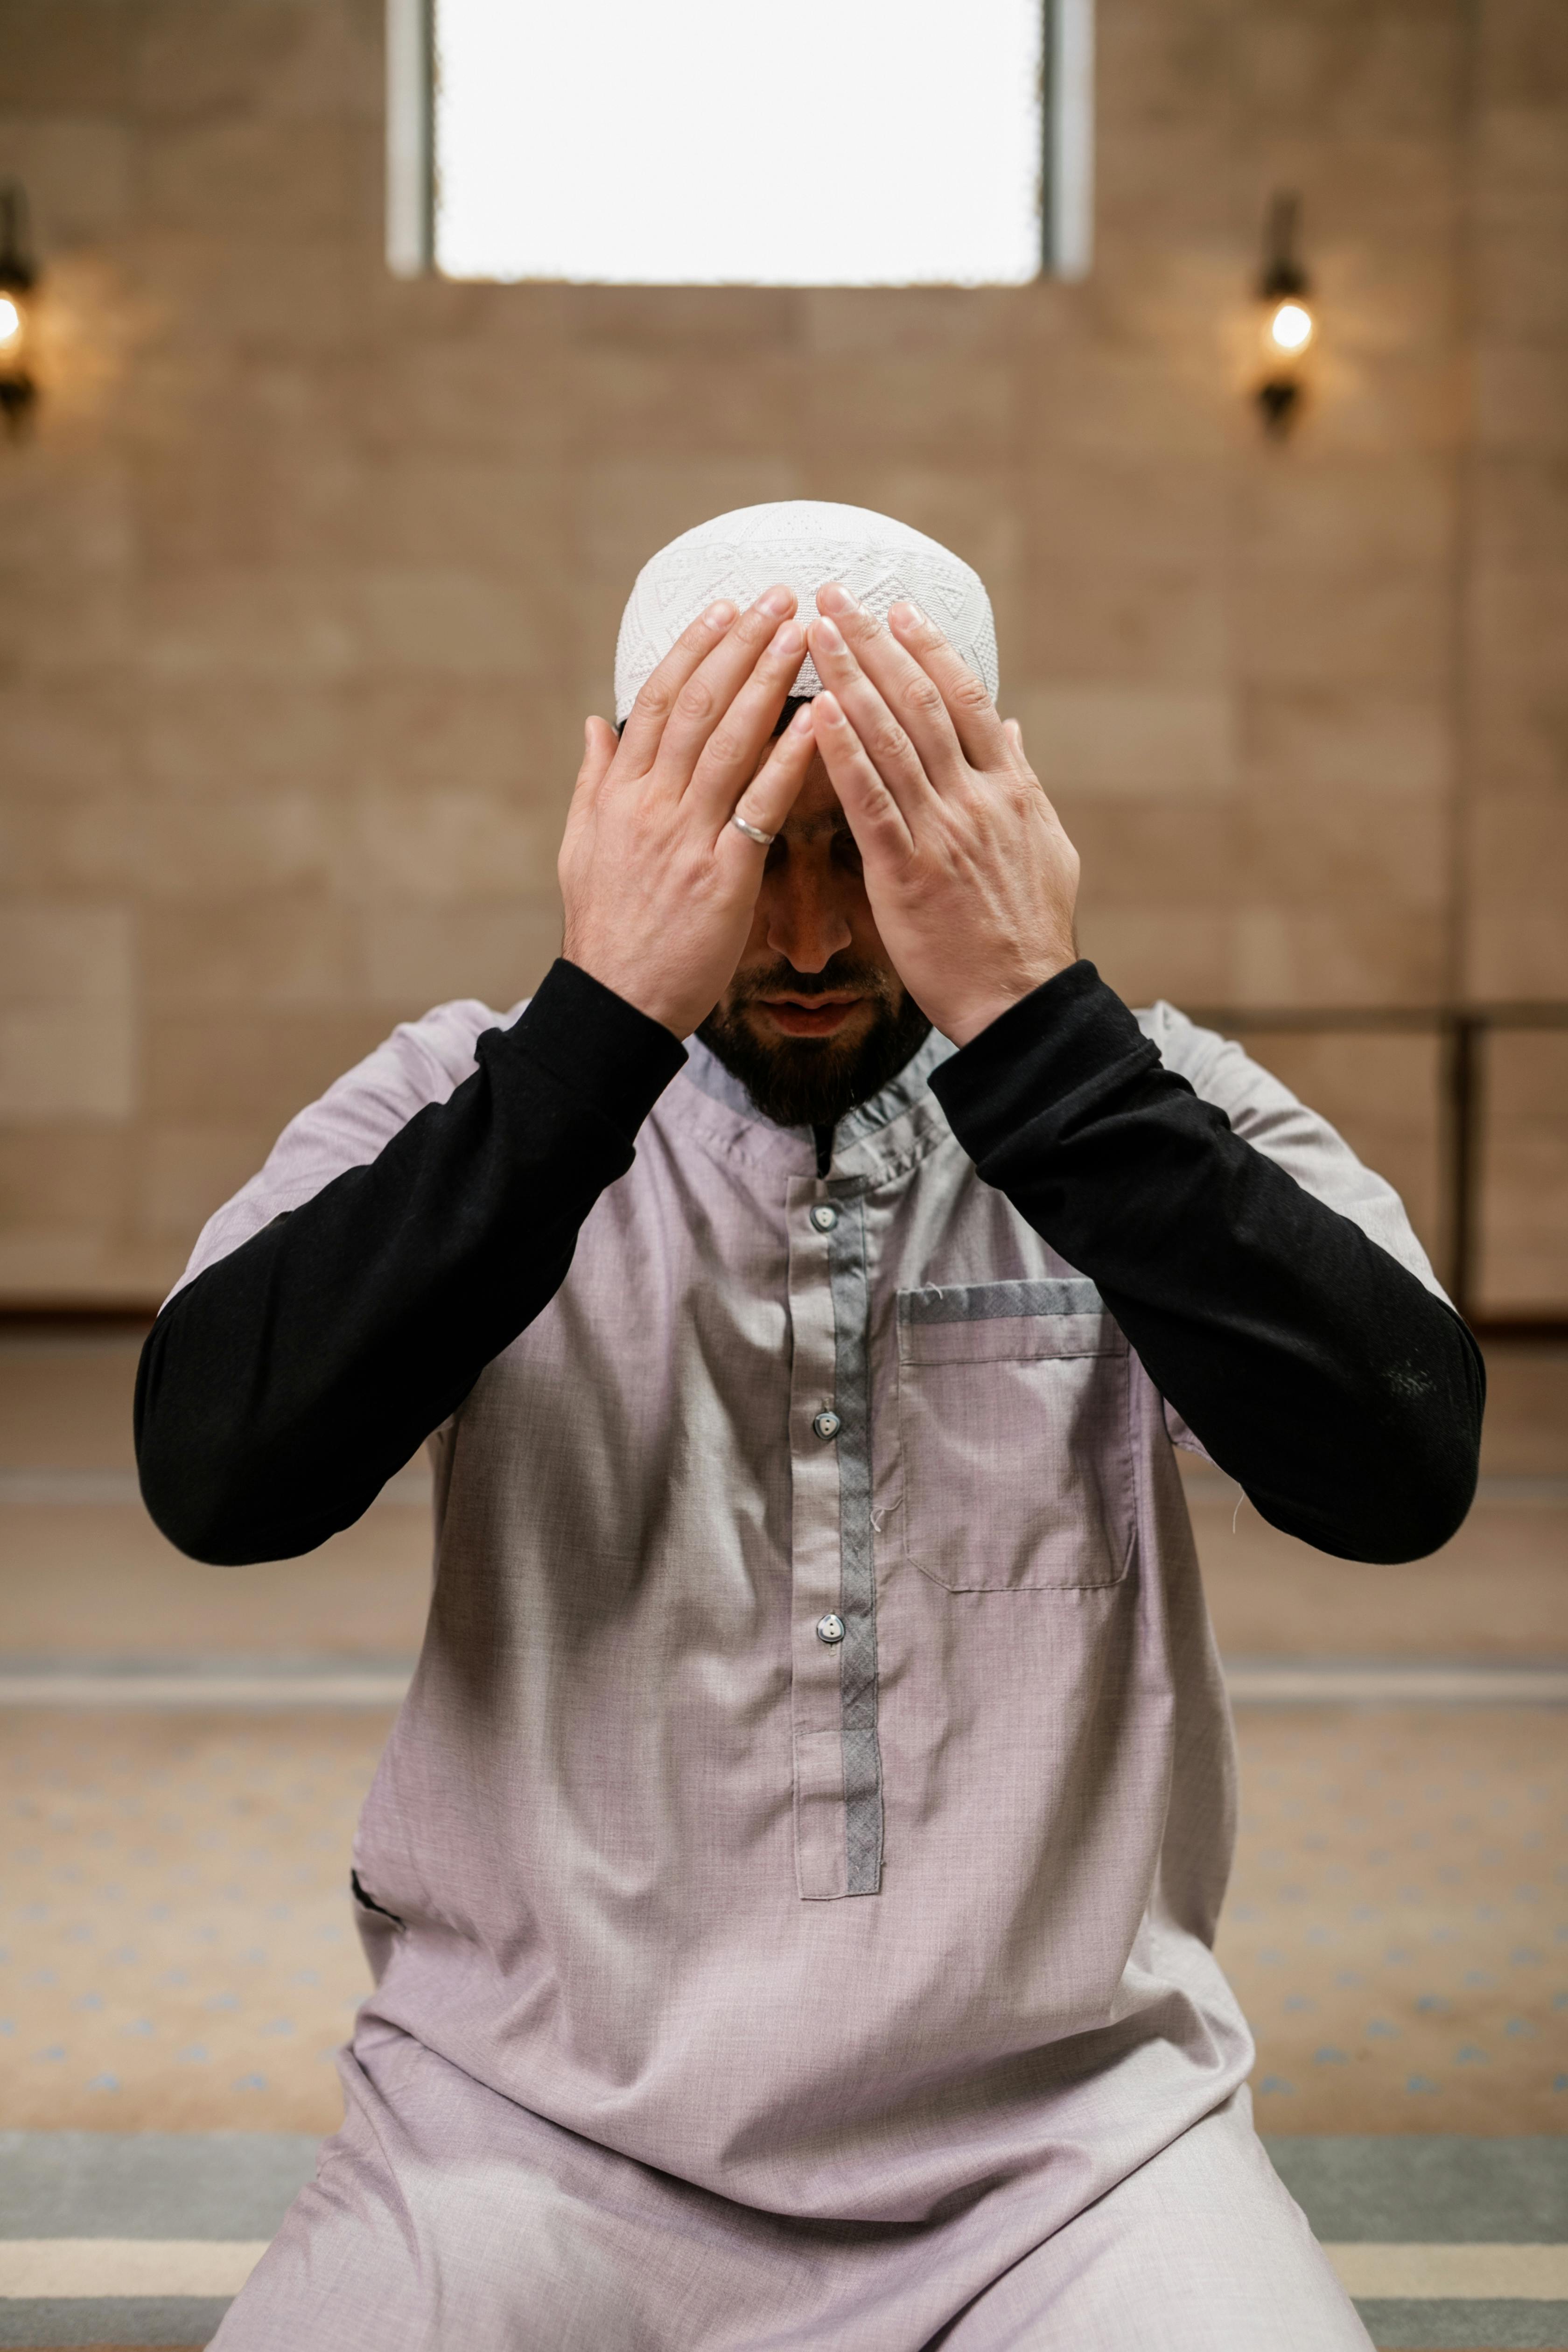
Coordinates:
(902,1122)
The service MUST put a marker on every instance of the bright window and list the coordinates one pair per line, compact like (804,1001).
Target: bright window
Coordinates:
(844,143)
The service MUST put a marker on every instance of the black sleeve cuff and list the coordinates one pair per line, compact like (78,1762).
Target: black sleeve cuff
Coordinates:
(1068,1035)
(614,1059)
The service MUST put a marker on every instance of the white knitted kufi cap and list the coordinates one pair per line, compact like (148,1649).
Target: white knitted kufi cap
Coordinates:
(806,543)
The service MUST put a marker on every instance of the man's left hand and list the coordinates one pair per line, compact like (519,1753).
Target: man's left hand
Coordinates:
(971,877)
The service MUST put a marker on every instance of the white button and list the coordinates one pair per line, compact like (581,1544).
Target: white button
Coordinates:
(825,1217)
(830,1628)
(827,1424)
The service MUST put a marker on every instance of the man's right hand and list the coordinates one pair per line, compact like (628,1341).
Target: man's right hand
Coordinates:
(659,886)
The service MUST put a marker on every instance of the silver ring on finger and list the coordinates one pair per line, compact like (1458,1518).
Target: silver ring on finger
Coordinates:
(753,832)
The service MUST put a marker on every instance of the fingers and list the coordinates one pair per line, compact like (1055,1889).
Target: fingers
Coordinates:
(892,754)
(771,795)
(907,689)
(646,725)
(879,824)
(600,744)
(1014,735)
(731,751)
(701,703)
(968,705)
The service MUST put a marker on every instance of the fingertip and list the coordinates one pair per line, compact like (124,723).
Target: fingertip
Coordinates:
(796,744)
(718,616)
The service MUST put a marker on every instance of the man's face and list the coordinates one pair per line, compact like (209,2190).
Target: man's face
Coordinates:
(816,1019)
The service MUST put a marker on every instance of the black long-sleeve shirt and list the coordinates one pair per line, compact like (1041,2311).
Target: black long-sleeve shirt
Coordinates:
(283,1386)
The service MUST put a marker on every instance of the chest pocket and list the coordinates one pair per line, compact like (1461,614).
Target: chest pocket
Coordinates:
(1013,1404)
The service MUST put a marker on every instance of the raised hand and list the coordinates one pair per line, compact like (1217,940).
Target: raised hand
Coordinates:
(659,885)
(971,877)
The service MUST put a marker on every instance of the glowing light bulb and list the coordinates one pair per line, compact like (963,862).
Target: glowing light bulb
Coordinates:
(1290,327)
(10,321)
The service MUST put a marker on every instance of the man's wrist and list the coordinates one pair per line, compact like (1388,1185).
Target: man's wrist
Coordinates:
(668,1005)
(608,1051)
(979,1015)
(1071,1033)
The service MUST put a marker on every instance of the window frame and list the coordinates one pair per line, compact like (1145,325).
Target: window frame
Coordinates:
(1066,179)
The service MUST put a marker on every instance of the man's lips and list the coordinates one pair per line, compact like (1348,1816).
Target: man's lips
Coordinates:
(808,1016)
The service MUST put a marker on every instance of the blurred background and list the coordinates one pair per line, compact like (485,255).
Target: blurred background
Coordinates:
(312,572)
(314,535)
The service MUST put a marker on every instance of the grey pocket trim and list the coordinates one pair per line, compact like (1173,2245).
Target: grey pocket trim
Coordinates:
(989,1302)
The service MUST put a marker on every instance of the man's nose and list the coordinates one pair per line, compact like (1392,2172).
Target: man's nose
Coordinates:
(806,925)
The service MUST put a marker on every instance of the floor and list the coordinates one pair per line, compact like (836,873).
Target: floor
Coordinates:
(183,1751)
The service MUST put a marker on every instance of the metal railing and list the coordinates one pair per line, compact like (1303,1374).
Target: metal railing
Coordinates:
(1463,1031)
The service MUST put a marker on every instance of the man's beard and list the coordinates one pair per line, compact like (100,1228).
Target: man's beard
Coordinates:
(814,1081)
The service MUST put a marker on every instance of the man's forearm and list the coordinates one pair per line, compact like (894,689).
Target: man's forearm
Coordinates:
(1342,1394)
(279,1391)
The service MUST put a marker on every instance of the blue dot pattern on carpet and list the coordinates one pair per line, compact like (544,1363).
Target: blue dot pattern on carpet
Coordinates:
(175,1943)
(1397,1926)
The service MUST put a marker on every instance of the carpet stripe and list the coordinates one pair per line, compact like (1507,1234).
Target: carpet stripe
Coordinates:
(219,2184)
(1251,1681)
(1427,2187)
(1280,1682)
(181,2325)
(95,2267)
(132,1686)
(1461,2327)
(171,2323)
(1450,2273)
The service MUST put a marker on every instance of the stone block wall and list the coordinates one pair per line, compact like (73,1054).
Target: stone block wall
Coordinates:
(307,575)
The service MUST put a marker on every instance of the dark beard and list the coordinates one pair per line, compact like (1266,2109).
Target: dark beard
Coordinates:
(814,1081)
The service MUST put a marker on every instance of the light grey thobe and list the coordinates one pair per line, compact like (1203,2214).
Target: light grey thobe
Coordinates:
(814,1798)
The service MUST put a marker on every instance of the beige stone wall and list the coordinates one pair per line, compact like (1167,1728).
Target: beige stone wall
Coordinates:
(308,575)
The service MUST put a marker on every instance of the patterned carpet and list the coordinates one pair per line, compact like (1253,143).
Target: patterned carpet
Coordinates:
(1397,1927)
(178,1966)
(176,1953)
(176,1948)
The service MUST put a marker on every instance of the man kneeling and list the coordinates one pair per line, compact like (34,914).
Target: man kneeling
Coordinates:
(791,1877)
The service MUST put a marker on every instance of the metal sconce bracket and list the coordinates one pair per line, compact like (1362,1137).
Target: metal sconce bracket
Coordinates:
(18,276)
(1277,398)
(1285,291)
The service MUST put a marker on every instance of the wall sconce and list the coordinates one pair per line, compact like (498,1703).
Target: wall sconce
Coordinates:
(17,279)
(1289,325)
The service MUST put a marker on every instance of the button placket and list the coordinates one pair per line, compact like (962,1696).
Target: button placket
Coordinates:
(838,1775)
(817,1686)
(850,1277)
